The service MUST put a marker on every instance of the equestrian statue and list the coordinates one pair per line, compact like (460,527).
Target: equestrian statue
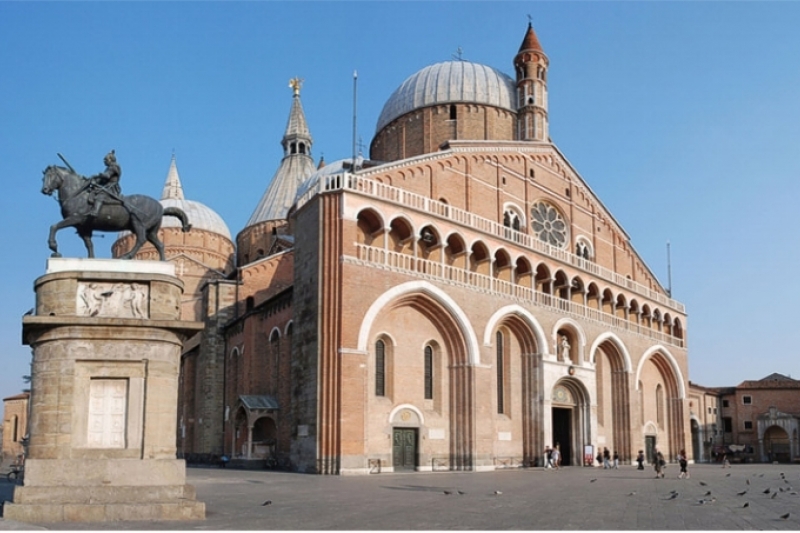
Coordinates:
(97,203)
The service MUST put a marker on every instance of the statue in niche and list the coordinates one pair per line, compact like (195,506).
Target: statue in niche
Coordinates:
(563,351)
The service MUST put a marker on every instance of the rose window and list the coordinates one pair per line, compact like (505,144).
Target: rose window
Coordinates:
(549,225)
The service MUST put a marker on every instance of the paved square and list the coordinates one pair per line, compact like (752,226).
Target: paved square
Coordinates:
(569,499)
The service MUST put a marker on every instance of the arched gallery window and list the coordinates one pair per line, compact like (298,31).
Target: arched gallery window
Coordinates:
(380,368)
(500,374)
(428,373)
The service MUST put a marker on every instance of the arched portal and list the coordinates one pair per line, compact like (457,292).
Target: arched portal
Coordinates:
(663,393)
(777,445)
(571,420)
(613,397)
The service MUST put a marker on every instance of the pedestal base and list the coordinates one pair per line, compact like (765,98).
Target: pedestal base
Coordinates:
(104,490)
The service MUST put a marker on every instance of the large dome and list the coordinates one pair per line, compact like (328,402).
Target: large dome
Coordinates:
(450,81)
(200,217)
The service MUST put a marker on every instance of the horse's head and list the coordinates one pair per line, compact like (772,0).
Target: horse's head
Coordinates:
(51,180)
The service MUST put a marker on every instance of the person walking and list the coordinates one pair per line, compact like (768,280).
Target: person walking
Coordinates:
(684,463)
(606,459)
(548,457)
(660,464)
(616,460)
(640,460)
(555,456)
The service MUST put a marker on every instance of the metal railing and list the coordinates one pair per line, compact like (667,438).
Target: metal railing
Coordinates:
(436,271)
(374,189)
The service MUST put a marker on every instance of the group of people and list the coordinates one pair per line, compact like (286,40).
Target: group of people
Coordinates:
(552,457)
(605,458)
(608,460)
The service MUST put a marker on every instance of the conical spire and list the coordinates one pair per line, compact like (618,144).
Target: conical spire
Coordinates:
(530,42)
(296,165)
(172,187)
(296,127)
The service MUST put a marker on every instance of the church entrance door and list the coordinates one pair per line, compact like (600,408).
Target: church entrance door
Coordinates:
(404,449)
(562,433)
(650,448)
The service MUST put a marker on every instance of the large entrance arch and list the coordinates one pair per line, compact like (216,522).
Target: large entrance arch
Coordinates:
(777,445)
(612,370)
(571,419)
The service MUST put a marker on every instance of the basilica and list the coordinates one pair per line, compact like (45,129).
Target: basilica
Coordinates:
(460,299)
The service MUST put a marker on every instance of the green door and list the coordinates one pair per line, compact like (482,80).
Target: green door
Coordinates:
(404,449)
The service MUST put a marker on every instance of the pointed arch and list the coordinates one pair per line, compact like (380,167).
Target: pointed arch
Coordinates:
(673,365)
(438,295)
(525,316)
(617,342)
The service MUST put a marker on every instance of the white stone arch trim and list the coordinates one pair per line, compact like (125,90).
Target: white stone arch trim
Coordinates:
(408,406)
(571,382)
(463,323)
(517,210)
(352,213)
(274,330)
(583,239)
(574,326)
(405,218)
(386,335)
(236,352)
(672,363)
(616,341)
(649,428)
(286,328)
(525,315)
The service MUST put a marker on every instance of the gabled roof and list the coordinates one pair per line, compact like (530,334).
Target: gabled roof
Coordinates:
(773,381)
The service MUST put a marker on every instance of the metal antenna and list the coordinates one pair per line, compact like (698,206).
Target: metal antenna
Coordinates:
(669,273)
(355,95)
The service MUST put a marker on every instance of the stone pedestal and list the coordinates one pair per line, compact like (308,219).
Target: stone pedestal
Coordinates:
(106,339)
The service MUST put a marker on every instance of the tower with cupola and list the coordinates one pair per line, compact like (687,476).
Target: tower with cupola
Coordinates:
(530,65)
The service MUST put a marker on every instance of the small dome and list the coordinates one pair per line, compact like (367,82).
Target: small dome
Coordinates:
(450,81)
(200,217)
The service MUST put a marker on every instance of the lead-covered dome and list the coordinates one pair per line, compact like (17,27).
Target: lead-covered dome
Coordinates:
(200,216)
(450,81)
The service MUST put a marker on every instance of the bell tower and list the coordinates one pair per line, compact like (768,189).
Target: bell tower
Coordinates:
(530,65)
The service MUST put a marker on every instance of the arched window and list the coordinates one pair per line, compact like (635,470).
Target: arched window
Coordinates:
(428,373)
(660,405)
(380,368)
(500,374)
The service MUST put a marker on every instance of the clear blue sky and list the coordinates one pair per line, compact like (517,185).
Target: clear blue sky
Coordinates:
(682,116)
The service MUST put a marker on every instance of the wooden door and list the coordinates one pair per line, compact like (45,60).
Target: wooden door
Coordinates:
(404,449)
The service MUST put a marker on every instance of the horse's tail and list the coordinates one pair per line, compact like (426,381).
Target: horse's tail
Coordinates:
(177,212)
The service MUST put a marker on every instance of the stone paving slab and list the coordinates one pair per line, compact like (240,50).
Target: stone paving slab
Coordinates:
(530,499)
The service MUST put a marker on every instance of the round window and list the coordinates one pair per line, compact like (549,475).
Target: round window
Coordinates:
(549,225)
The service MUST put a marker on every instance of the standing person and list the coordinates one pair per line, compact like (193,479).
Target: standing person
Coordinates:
(555,456)
(640,460)
(660,464)
(606,459)
(684,463)
(548,457)
(616,459)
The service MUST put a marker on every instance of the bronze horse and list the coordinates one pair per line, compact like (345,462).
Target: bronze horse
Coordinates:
(140,214)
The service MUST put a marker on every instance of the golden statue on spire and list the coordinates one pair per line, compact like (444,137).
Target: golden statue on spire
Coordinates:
(295,84)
